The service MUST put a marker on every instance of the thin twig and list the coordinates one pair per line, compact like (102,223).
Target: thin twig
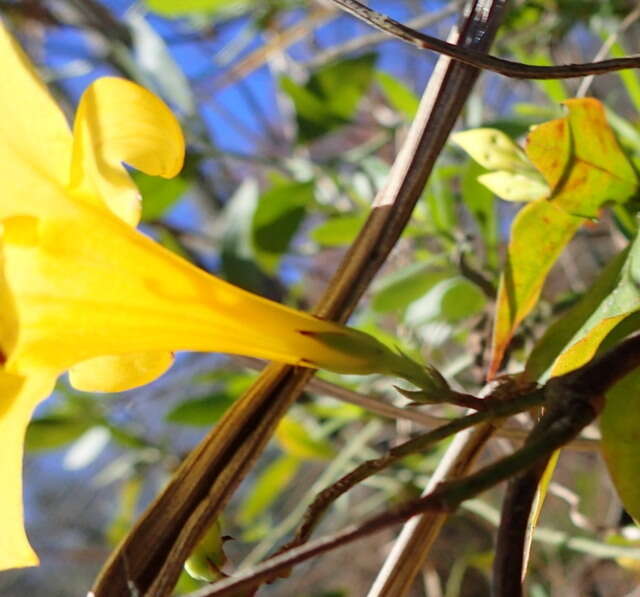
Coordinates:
(371,39)
(574,400)
(515,70)
(565,392)
(508,563)
(378,406)
(278,43)
(444,499)
(633,16)
(497,409)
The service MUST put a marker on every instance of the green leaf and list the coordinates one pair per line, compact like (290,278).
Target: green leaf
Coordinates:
(159,194)
(619,424)
(482,205)
(157,65)
(338,230)
(441,200)
(54,431)
(267,488)
(237,255)
(296,440)
(127,501)
(200,411)
(450,300)
(343,84)
(402,98)
(207,559)
(628,77)
(398,290)
(331,96)
(172,8)
(279,213)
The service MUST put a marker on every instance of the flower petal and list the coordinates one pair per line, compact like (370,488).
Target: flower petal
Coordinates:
(19,396)
(119,373)
(118,121)
(35,140)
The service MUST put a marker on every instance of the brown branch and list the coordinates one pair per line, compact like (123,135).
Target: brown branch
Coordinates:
(357,44)
(516,70)
(508,564)
(277,44)
(591,381)
(445,498)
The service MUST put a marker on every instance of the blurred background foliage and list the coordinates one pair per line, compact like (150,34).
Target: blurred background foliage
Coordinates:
(293,114)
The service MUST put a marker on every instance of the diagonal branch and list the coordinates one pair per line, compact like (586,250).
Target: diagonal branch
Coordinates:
(413,545)
(495,409)
(516,70)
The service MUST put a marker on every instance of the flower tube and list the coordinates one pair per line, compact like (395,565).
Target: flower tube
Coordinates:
(81,290)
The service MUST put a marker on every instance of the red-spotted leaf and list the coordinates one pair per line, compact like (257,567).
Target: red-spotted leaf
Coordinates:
(585,168)
(581,159)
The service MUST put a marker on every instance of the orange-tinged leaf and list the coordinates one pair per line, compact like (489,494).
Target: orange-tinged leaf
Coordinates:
(582,163)
(539,233)
(548,146)
(594,141)
(581,159)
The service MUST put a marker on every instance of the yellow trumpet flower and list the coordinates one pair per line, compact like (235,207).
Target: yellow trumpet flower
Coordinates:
(81,290)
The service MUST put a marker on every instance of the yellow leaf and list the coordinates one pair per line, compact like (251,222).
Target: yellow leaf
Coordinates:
(515,187)
(539,233)
(492,149)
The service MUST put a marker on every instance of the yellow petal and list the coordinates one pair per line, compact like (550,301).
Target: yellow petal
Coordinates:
(19,396)
(119,373)
(118,121)
(93,286)
(35,141)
